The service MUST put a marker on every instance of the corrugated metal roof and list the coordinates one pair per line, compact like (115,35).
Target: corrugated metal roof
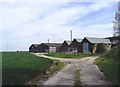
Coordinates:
(53,44)
(68,42)
(97,40)
(78,39)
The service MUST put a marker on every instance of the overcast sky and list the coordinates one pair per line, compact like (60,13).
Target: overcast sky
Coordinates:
(24,22)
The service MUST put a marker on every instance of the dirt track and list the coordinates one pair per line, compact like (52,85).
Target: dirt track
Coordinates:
(89,73)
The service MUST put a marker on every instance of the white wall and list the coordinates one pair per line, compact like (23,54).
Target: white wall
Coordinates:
(52,49)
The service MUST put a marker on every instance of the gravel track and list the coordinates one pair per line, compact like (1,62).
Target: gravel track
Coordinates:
(89,73)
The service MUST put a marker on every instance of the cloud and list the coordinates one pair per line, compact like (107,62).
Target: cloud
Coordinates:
(99,5)
(27,22)
(58,1)
(97,30)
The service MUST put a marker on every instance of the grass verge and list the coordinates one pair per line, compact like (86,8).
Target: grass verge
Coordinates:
(109,64)
(64,55)
(40,79)
(56,66)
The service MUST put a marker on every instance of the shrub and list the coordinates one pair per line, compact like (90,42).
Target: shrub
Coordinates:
(101,48)
(112,54)
(109,65)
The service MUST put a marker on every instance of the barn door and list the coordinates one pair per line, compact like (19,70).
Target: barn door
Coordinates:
(85,47)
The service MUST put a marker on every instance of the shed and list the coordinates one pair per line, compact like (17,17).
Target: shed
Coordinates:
(49,47)
(34,48)
(90,44)
(76,45)
(114,40)
(65,47)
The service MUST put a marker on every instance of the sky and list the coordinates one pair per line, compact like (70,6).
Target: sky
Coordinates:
(26,22)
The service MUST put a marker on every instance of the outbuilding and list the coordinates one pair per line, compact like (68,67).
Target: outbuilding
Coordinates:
(91,44)
(76,45)
(114,40)
(65,47)
(34,48)
(49,47)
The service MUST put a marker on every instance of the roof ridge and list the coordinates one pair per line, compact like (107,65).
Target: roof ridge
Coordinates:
(97,40)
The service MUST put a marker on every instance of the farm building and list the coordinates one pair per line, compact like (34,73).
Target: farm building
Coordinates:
(33,48)
(49,47)
(114,40)
(65,47)
(93,45)
(76,45)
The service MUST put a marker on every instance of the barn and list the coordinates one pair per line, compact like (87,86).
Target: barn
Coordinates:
(114,40)
(49,47)
(34,48)
(76,45)
(90,44)
(65,47)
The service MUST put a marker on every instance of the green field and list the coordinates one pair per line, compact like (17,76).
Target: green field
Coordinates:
(18,67)
(108,64)
(68,55)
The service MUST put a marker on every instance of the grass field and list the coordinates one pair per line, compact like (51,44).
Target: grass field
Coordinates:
(64,55)
(109,64)
(18,67)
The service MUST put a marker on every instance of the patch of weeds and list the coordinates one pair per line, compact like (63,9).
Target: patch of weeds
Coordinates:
(56,66)
(77,78)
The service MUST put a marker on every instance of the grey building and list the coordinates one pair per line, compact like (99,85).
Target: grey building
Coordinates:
(114,40)
(90,44)
(34,48)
